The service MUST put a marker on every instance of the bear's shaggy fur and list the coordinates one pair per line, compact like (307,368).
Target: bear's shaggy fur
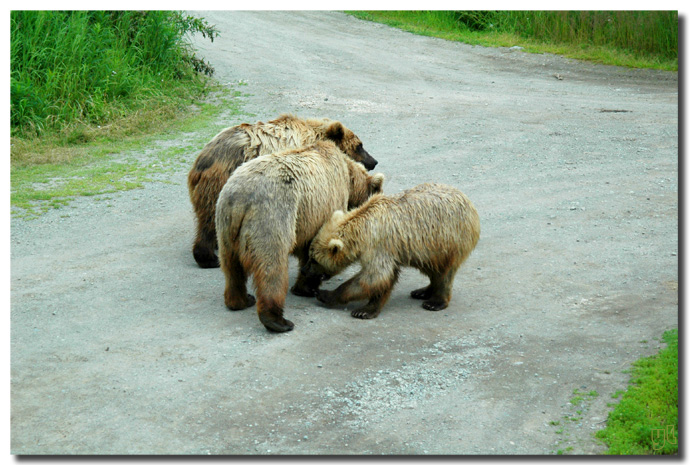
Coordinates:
(273,206)
(431,227)
(238,144)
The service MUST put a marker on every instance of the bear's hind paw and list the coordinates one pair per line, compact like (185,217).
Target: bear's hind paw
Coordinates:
(241,305)
(278,325)
(205,258)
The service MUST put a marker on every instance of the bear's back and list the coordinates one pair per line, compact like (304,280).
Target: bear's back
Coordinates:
(426,221)
(307,183)
(283,133)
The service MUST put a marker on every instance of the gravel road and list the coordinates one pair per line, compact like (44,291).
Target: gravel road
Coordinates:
(120,344)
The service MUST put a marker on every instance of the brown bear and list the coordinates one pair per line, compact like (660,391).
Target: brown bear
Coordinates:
(238,144)
(273,206)
(431,227)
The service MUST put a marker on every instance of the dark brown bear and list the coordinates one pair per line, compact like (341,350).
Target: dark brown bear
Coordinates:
(238,144)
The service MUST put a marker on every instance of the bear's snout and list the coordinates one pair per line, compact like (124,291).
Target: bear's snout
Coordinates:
(368,161)
(313,270)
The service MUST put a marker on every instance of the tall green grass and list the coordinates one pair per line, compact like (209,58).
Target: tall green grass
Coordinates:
(91,67)
(653,33)
(628,38)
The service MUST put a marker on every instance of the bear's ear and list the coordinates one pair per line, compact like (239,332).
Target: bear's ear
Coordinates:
(335,131)
(337,216)
(335,246)
(377,183)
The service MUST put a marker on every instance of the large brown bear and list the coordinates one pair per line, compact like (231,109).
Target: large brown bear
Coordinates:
(273,206)
(431,227)
(239,144)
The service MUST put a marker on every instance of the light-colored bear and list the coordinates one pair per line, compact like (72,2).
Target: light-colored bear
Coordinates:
(273,206)
(431,227)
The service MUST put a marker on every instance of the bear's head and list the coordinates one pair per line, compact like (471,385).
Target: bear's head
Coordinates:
(362,184)
(348,142)
(328,253)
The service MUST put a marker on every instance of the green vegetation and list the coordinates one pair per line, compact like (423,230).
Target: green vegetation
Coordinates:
(580,403)
(109,164)
(92,67)
(89,87)
(639,39)
(645,421)
(579,397)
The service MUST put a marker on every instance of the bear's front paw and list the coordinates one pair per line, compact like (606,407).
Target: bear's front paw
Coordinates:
(423,293)
(304,291)
(365,313)
(325,297)
(434,305)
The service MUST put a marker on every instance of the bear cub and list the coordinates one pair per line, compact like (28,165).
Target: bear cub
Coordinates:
(431,227)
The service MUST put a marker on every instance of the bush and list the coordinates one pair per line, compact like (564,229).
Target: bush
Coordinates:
(93,66)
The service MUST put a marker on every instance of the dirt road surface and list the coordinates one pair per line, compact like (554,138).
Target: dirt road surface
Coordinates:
(120,344)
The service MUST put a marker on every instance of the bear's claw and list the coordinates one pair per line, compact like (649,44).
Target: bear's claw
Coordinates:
(364,313)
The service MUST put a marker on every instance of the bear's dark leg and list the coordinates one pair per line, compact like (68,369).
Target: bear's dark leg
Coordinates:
(236,296)
(204,249)
(271,290)
(305,286)
(441,288)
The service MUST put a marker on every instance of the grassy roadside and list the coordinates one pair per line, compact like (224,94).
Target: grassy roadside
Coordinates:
(94,95)
(507,29)
(645,421)
(50,174)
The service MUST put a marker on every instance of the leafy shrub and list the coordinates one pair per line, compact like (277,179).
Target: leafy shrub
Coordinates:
(92,66)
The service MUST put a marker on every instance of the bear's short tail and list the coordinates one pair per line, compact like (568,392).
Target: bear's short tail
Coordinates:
(229,219)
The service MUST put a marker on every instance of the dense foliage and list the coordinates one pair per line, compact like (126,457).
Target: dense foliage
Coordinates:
(92,66)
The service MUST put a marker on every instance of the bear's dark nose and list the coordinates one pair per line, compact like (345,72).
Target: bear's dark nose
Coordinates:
(312,269)
(368,161)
